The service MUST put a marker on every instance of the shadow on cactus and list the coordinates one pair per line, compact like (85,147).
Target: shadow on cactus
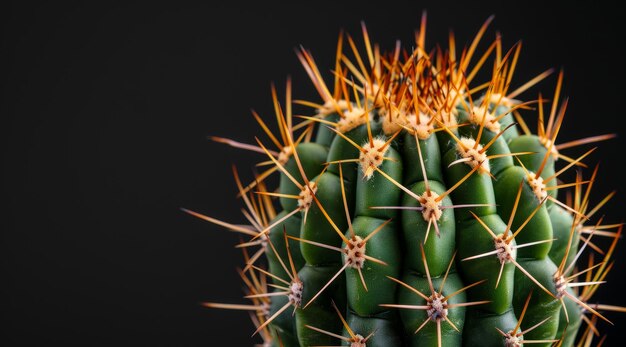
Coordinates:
(416,207)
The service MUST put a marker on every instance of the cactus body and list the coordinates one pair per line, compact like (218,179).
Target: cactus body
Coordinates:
(421,213)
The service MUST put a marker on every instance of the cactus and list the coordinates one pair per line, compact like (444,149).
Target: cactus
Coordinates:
(417,207)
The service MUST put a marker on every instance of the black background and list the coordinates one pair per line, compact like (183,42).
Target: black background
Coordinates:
(106,109)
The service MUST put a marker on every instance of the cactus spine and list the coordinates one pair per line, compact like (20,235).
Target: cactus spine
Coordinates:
(418,208)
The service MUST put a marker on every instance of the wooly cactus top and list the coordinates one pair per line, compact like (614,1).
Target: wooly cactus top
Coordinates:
(416,207)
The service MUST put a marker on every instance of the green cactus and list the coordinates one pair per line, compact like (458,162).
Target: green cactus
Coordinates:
(417,208)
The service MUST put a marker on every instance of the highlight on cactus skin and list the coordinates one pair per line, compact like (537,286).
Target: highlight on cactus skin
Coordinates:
(417,206)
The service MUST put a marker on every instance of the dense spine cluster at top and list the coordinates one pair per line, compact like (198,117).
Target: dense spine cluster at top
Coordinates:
(416,207)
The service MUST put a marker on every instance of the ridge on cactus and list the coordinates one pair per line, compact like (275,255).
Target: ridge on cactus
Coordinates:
(416,206)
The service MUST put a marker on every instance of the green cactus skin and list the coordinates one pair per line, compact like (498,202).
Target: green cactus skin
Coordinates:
(386,329)
(562,222)
(475,334)
(422,214)
(311,155)
(366,302)
(292,227)
(283,327)
(473,234)
(439,249)
(568,330)
(319,313)
(533,162)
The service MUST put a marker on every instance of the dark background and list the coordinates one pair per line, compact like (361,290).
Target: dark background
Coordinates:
(106,109)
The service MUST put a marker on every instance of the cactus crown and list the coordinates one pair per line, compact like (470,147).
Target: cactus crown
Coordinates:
(418,208)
